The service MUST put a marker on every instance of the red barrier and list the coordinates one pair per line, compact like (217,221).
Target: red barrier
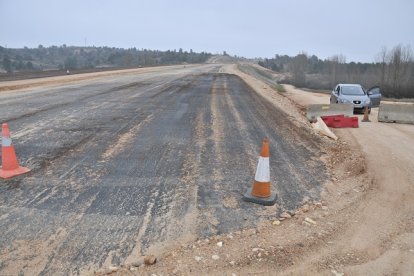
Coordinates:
(329,120)
(340,121)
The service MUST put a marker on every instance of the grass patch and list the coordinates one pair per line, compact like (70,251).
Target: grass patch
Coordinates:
(280,88)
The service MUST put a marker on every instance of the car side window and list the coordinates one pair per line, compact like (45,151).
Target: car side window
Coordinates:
(374,91)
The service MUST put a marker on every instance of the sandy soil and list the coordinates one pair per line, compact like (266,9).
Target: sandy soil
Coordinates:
(363,225)
(383,234)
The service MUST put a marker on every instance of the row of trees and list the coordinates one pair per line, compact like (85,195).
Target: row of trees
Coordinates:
(63,57)
(393,71)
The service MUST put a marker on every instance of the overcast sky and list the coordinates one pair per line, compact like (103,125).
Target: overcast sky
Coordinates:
(357,29)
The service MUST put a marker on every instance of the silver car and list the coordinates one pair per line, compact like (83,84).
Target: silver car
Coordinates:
(356,95)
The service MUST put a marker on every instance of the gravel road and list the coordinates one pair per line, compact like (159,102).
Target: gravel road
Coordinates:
(127,165)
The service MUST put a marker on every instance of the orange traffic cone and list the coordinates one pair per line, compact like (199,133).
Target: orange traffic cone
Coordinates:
(261,193)
(366,116)
(10,165)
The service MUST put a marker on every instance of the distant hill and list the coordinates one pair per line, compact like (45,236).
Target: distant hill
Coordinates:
(74,57)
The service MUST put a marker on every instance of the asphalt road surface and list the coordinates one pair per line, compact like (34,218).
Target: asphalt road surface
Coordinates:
(126,165)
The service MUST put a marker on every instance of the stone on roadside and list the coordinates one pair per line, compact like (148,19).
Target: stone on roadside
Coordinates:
(285,215)
(103,272)
(298,212)
(276,222)
(306,223)
(310,220)
(336,273)
(215,257)
(220,244)
(150,260)
(305,208)
(198,258)
(137,263)
(109,270)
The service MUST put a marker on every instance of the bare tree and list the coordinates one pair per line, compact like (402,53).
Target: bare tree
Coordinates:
(337,73)
(382,57)
(406,59)
(298,69)
(396,71)
(395,66)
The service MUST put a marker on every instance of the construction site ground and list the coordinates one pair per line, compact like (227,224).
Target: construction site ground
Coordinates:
(155,162)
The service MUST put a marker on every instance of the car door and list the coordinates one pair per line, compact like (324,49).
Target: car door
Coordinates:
(374,94)
(335,94)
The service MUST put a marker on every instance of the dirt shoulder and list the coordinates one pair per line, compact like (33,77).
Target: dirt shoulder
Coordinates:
(362,225)
(382,234)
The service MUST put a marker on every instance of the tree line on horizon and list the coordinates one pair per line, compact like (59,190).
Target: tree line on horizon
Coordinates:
(393,71)
(74,57)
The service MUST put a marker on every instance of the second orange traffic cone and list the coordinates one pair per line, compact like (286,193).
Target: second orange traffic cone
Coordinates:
(10,166)
(366,116)
(261,193)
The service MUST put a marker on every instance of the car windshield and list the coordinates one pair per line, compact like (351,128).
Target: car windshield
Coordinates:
(352,90)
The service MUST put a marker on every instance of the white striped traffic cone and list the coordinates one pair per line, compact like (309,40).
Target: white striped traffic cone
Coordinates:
(10,165)
(261,193)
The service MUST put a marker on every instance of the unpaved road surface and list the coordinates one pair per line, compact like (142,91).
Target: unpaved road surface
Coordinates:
(379,239)
(129,165)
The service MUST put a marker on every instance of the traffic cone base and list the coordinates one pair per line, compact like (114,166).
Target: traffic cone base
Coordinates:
(267,201)
(261,189)
(12,173)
